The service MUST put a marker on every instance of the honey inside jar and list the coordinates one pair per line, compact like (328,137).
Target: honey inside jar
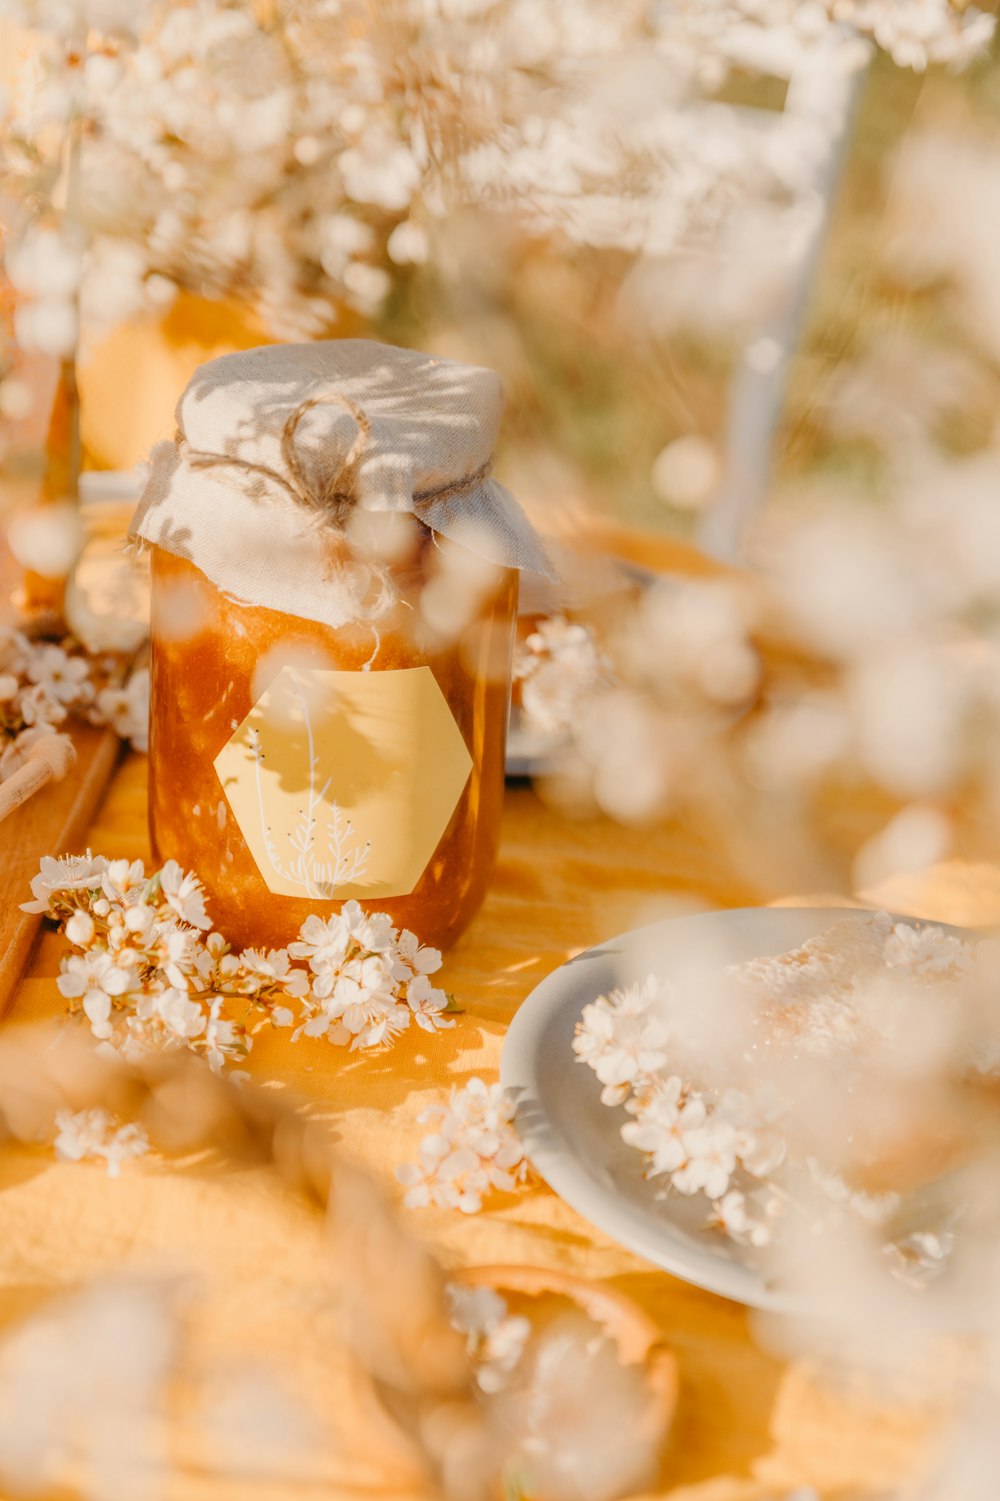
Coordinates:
(215,659)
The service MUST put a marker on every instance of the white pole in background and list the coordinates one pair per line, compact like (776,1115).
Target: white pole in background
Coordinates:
(827,94)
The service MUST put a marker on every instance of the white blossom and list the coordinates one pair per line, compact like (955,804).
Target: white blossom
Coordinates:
(413,958)
(80,928)
(184,895)
(380,172)
(183,1017)
(570,1446)
(427,1004)
(558,666)
(66,678)
(96,980)
(43,683)
(68,873)
(407,245)
(472,1148)
(97,1133)
(39,709)
(323,942)
(126,709)
(273,966)
(710,1159)
(496,1339)
(731,1216)
(662,1128)
(624,1038)
(368,982)
(123,881)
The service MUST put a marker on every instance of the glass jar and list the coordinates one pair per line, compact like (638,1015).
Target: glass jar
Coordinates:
(400,778)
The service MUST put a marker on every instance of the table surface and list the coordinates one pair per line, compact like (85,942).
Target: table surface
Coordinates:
(749,1424)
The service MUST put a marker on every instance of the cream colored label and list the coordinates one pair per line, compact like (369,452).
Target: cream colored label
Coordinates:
(342,783)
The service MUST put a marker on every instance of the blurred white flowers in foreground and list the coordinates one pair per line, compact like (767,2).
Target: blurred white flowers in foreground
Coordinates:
(726,1085)
(101,1425)
(571,1445)
(830,710)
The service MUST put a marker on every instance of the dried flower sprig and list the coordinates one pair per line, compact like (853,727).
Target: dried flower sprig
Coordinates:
(472,1148)
(492,1399)
(147,972)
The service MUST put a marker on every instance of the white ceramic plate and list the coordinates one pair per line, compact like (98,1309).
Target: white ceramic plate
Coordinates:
(573,1140)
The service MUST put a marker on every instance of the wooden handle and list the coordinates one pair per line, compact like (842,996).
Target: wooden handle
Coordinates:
(48,760)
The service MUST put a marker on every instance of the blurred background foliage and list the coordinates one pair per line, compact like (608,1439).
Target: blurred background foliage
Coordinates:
(594,397)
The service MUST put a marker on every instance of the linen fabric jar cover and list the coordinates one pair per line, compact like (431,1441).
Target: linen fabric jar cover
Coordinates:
(392,757)
(425,446)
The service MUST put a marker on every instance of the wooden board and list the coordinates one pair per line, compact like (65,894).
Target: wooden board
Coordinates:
(53,822)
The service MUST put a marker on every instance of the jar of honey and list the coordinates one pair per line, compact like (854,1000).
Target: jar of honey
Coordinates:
(334,576)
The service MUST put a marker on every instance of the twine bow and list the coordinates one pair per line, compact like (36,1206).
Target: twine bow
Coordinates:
(333,497)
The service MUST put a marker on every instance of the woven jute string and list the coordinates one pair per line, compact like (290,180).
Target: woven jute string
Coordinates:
(335,497)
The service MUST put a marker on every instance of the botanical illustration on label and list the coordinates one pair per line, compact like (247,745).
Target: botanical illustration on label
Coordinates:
(342,783)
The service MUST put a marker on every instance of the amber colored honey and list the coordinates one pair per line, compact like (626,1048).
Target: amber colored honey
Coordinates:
(207,650)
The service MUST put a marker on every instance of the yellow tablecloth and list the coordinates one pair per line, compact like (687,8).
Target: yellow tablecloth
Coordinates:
(748,1425)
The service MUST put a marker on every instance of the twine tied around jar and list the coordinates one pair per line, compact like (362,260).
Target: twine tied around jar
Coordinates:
(335,496)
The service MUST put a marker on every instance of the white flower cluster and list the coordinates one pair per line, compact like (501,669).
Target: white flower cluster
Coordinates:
(699,1141)
(682,662)
(367,981)
(472,1148)
(147,972)
(573,1411)
(495,1337)
(285,155)
(42,684)
(919,32)
(97,1133)
(628,145)
(915,33)
(559,665)
(210,149)
(701,1135)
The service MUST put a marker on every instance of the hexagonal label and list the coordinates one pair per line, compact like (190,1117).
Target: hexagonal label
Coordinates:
(342,783)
